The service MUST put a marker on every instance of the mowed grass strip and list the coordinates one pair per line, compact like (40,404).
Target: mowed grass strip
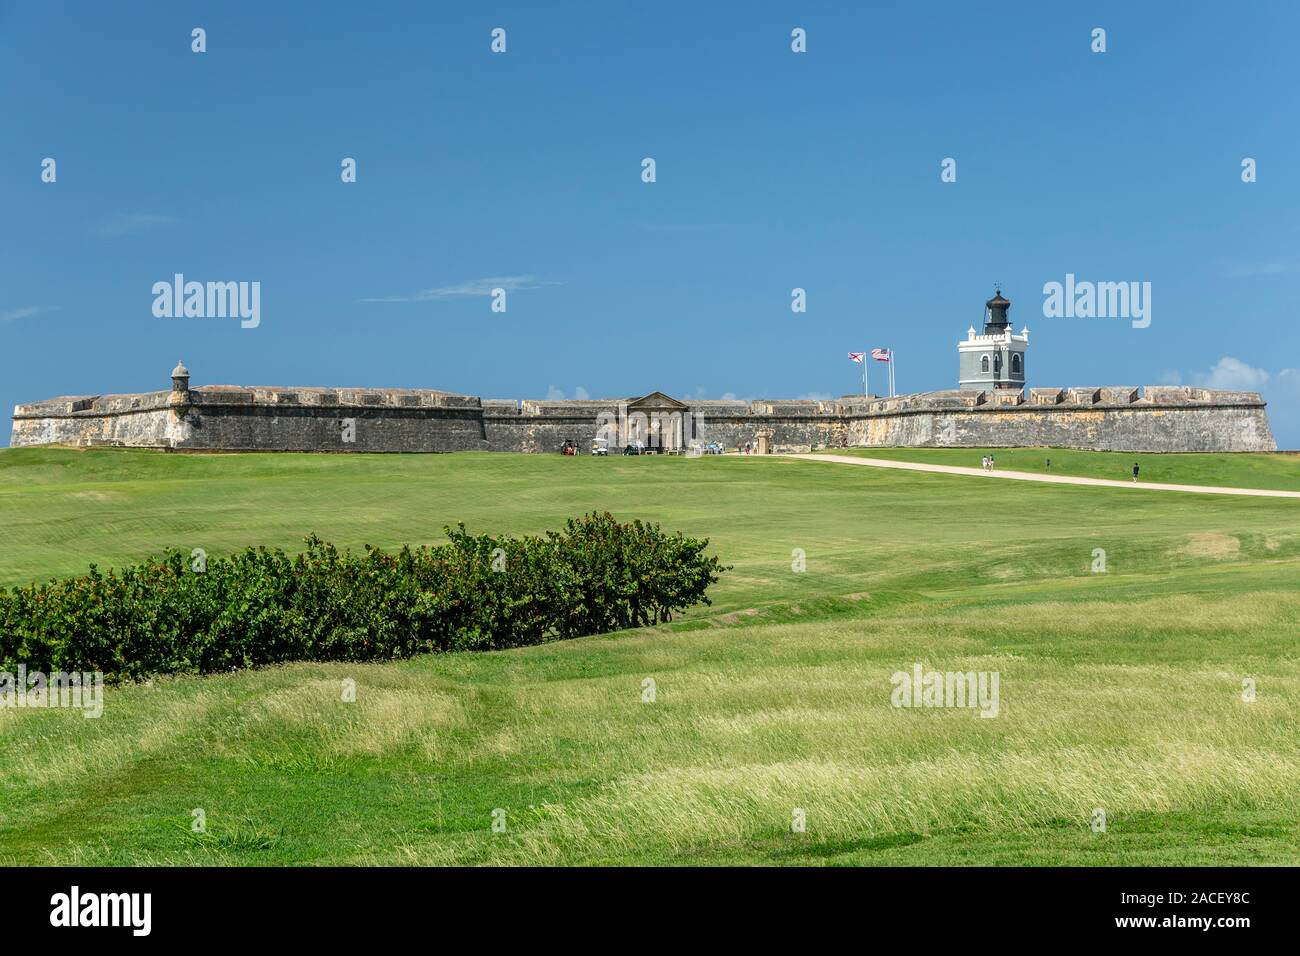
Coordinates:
(1120,690)
(1278,471)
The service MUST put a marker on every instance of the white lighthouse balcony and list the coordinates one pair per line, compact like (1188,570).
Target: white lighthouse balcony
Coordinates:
(976,340)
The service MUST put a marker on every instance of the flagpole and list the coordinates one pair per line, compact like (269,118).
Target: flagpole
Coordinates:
(865,361)
(891,373)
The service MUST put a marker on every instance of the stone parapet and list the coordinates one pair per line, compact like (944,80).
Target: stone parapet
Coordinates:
(225,418)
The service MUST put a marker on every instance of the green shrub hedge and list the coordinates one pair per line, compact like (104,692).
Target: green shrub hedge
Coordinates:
(262,606)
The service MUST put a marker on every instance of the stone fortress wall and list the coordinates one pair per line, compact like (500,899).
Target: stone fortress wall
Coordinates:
(230,418)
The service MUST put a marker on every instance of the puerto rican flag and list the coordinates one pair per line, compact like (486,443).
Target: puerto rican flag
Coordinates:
(857,357)
(881,355)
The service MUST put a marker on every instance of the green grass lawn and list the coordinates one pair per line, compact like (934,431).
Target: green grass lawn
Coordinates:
(1280,472)
(1119,690)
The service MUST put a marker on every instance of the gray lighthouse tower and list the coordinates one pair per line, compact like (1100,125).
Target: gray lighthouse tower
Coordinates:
(994,358)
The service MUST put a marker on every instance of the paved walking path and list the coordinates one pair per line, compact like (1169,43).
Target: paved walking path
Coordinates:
(1054,479)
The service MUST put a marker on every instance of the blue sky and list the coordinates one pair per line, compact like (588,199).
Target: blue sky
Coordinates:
(775,170)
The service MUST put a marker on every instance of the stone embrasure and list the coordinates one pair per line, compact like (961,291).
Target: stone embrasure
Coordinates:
(235,418)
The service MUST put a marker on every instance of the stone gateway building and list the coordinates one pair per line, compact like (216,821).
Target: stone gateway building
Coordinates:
(990,408)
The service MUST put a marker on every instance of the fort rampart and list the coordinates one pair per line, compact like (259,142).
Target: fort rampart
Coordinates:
(230,418)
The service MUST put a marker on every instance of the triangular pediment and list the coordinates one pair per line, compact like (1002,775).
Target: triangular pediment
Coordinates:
(657,400)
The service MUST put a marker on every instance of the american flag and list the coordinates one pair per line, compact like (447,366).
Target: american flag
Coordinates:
(881,355)
(857,357)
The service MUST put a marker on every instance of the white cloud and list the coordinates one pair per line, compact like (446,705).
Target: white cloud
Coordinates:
(466,289)
(816,396)
(27,312)
(554,394)
(1233,375)
(130,223)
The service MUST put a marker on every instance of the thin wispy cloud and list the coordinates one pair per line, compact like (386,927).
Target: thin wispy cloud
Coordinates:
(1252,269)
(13,315)
(467,289)
(130,224)
(701,394)
(686,227)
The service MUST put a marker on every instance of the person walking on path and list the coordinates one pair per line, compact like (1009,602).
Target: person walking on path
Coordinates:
(1135,471)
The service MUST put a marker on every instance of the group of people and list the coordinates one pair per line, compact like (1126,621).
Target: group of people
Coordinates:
(987,463)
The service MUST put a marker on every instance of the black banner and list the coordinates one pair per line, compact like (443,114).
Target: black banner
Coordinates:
(334,906)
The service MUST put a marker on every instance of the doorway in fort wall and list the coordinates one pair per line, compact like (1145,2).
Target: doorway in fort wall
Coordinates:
(655,421)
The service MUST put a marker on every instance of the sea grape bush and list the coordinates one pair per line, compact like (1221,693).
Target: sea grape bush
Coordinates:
(263,606)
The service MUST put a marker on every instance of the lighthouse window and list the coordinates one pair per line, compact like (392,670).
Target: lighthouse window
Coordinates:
(984,364)
(1015,362)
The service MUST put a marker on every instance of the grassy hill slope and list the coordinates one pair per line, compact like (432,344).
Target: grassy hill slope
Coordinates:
(1119,690)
